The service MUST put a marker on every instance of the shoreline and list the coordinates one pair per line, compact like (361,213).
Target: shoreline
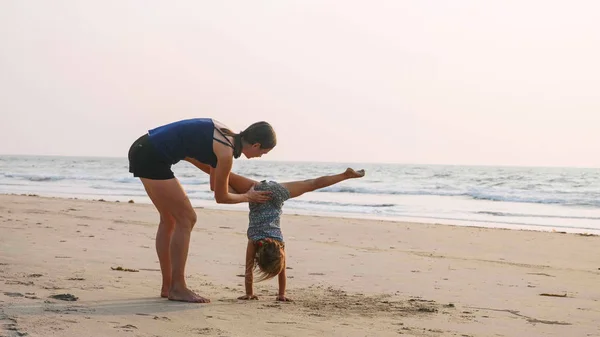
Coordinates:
(357,216)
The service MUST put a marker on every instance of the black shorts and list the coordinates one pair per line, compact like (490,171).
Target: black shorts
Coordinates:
(146,162)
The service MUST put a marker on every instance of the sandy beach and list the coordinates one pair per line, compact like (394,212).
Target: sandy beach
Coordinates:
(347,277)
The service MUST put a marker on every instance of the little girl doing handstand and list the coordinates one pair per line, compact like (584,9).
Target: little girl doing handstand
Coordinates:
(266,248)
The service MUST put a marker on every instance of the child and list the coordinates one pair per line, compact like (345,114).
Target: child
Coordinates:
(266,246)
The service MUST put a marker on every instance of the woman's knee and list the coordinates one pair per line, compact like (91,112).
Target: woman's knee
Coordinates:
(187,218)
(167,222)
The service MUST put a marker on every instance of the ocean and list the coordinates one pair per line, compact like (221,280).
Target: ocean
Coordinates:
(553,199)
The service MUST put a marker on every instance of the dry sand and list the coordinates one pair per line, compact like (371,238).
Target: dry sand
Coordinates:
(347,277)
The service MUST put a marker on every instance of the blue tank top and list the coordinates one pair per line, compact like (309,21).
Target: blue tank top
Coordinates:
(186,138)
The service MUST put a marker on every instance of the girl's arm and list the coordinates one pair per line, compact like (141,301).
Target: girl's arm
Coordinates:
(282,283)
(248,276)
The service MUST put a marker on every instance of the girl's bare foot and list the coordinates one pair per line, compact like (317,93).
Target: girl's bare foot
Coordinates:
(185,295)
(248,297)
(164,292)
(350,173)
(284,299)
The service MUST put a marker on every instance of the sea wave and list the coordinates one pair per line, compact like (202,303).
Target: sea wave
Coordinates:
(504,195)
(343,204)
(525,215)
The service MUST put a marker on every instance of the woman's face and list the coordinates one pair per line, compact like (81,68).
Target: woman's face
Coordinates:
(254,151)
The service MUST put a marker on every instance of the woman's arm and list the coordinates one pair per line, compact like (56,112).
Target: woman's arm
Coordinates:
(221,180)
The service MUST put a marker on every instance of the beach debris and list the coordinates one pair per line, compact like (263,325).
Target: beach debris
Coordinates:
(131,202)
(76,279)
(449,305)
(101,200)
(35,275)
(119,268)
(65,297)
(553,295)
(10,294)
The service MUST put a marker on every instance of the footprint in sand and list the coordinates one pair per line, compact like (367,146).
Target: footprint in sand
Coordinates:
(272,306)
(207,331)
(65,297)
(128,327)
(23,283)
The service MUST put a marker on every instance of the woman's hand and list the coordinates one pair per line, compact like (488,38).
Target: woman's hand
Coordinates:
(258,196)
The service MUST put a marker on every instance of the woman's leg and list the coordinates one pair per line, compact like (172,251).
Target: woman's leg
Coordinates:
(297,188)
(173,236)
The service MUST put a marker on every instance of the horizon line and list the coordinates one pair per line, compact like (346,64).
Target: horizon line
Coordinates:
(328,162)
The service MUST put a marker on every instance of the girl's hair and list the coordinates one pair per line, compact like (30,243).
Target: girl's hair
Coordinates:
(259,132)
(269,258)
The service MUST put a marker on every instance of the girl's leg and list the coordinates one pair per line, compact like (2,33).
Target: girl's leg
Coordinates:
(173,236)
(239,183)
(297,188)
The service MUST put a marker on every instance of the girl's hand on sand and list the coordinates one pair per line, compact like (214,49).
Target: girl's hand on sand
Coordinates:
(258,196)
(248,297)
(284,299)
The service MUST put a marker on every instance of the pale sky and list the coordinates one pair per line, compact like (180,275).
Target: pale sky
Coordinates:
(426,82)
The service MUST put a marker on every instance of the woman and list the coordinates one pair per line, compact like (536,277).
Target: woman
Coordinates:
(198,141)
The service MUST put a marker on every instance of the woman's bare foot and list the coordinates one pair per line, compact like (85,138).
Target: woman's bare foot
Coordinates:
(350,173)
(164,292)
(185,295)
